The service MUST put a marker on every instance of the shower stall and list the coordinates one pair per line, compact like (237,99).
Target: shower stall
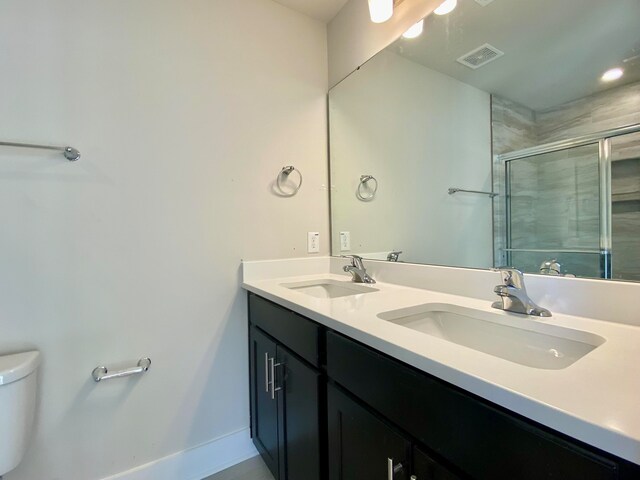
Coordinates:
(573,203)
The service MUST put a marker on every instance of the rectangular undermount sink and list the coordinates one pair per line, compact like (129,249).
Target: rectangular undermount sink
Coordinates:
(327,288)
(511,337)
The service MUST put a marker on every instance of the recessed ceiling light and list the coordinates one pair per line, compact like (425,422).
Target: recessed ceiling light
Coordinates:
(380,10)
(415,30)
(613,74)
(446,7)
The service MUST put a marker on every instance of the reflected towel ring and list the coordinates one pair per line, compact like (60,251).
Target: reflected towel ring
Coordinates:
(361,193)
(285,172)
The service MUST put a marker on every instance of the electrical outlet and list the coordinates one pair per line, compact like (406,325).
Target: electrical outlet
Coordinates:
(313,242)
(345,241)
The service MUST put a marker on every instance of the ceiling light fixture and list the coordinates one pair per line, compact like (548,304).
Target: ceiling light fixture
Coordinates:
(446,7)
(613,74)
(380,10)
(415,30)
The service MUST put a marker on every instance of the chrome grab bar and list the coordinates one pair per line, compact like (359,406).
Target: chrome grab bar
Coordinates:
(102,373)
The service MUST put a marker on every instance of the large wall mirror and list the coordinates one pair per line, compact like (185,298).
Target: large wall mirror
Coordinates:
(507,133)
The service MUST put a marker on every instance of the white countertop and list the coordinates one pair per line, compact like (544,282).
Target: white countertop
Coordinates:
(596,399)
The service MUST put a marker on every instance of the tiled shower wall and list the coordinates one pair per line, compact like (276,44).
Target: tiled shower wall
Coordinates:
(610,109)
(546,215)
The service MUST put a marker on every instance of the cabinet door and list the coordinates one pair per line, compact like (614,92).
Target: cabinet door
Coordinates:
(426,468)
(362,447)
(302,433)
(264,408)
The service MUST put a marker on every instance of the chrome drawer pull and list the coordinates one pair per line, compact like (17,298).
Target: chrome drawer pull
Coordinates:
(392,469)
(266,372)
(273,377)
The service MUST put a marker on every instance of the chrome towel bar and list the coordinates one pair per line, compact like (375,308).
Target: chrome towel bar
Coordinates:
(456,190)
(102,373)
(69,153)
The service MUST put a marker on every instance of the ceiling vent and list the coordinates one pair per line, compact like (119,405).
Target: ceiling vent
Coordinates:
(484,3)
(480,56)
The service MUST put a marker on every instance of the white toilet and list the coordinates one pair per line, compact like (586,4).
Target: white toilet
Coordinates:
(17,406)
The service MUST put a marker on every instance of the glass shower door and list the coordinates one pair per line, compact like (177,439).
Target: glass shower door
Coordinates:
(625,211)
(554,213)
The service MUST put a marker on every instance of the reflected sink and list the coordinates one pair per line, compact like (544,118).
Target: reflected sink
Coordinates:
(326,288)
(511,337)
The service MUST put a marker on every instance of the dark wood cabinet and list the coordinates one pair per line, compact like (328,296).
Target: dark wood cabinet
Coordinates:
(362,447)
(264,408)
(285,394)
(324,406)
(300,399)
(480,439)
(426,468)
(297,333)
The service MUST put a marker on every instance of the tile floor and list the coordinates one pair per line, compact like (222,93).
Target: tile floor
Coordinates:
(252,469)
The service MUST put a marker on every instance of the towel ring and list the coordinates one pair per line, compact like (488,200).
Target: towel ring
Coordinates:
(285,172)
(361,193)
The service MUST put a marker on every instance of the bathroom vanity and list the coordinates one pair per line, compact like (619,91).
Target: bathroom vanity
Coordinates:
(459,148)
(369,398)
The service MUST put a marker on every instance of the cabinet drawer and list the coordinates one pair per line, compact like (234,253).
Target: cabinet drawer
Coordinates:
(295,332)
(480,439)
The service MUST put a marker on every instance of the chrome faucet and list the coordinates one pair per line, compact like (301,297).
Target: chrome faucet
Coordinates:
(513,294)
(393,256)
(357,270)
(551,267)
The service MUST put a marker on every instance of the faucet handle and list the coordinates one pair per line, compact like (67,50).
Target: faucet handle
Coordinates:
(356,260)
(511,277)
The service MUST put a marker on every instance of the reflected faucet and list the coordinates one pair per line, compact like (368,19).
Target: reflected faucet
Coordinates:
(551,267)
(513,294)
(357,270)
(393,256)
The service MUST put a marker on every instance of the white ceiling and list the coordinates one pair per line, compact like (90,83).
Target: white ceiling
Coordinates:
(555,50)
(323,10)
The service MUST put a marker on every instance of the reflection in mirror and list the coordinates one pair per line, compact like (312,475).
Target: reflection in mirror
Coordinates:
(508,133)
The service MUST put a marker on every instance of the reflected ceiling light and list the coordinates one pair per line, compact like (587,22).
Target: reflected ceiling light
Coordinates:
(380,10)
(613,74)
(446,7)
(415,30)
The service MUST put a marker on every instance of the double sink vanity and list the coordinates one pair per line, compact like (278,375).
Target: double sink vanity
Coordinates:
(458,148)
(418,377)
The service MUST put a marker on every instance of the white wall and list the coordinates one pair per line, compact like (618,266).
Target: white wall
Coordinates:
(353,38)
(418,132)
(184,112)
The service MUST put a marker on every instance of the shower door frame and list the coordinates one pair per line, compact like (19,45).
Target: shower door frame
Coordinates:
(603,140)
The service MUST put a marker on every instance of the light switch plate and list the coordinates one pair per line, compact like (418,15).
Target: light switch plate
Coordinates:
(313,242)
(345,241)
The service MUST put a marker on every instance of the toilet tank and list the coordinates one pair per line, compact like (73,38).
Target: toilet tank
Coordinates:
(17,406)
